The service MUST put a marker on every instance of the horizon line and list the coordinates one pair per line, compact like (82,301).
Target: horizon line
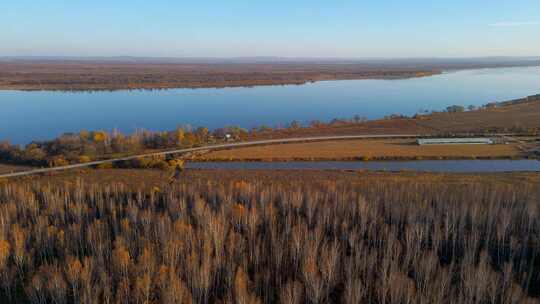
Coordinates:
(52,57)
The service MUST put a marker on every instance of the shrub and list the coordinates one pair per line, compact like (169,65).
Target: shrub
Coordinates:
(84,159)
(58,161)
(160,164)
(105,166)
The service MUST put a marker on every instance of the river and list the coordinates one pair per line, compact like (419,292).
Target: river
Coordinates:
(38,115)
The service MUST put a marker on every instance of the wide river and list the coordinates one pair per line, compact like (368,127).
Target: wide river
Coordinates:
(26,116)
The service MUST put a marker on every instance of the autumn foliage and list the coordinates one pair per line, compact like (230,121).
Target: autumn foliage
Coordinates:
(270,241)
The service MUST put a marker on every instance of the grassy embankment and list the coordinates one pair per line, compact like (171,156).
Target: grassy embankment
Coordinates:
(522,116)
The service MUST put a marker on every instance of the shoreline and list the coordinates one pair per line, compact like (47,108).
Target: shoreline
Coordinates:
(377,140)
(81,76)
(195,86)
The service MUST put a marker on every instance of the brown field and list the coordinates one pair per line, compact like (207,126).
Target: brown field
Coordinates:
(88,75)
(514,117)
(149,179)
(359,149)
(371,127)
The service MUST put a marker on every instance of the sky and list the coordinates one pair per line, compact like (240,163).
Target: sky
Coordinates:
(282,28)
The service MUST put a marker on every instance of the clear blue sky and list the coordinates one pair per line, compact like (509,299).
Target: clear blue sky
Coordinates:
(293,28)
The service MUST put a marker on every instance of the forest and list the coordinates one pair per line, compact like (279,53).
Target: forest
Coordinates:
(270,238)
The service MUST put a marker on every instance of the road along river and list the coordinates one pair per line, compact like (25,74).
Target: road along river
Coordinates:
(433,165)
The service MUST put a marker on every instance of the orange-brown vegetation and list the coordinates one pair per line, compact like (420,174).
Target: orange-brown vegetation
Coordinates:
(362,149)
(268,237)
(158,73)
(5,168)
(153,180)
(100,75)
(87,146)
(520,116)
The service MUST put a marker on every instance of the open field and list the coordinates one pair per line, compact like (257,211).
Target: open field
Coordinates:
(370,127)
(270,237)
(512,117)
(115,74)
(363,149)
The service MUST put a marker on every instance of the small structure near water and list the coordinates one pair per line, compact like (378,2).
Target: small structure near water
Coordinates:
(455,141)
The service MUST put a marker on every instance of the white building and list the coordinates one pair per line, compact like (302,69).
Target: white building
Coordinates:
(454,141)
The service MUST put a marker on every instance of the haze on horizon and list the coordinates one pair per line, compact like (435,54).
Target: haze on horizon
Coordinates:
(302,28)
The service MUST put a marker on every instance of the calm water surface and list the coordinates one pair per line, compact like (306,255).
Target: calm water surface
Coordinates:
(456,166)
(25,116)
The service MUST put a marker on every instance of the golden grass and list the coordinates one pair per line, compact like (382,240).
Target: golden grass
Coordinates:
(350,149)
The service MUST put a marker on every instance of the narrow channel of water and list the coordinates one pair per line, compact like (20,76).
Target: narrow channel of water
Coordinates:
(456,166)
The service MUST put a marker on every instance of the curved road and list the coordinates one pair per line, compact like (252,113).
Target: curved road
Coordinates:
(204,148)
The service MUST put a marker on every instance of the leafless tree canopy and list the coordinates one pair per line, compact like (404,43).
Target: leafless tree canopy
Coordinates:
(270,241)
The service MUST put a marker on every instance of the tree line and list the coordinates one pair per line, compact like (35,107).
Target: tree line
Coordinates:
(86,146)
(270,240)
